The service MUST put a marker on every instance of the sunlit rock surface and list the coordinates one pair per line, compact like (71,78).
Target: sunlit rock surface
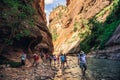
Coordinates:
(68,23)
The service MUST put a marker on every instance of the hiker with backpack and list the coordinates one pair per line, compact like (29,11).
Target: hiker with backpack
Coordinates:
(50,60)
(65,62)
(23,59)
(62,58)
(58,60)
(82,62)
(35,58)
(46,57)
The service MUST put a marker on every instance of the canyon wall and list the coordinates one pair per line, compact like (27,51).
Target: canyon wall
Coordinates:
(69,24)
(23,28)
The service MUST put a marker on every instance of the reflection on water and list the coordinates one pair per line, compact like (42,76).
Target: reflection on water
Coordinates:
(102,69)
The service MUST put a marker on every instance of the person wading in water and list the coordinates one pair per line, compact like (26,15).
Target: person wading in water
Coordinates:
(82,62)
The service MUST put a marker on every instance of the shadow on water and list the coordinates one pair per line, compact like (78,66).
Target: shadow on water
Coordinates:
(104,69)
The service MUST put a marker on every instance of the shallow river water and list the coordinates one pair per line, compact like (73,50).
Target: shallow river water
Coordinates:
(98,69)
(103,69)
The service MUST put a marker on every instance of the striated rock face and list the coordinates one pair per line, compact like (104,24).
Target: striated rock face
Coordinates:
(37,37)
(112,48)
(39,6)
(46,42)
(115,39)
(69,23)
(67,2)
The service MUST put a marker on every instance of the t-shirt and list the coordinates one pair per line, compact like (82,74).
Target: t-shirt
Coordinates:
(36,57)
(82,58)
(23,57)
(54,57)
(62,58)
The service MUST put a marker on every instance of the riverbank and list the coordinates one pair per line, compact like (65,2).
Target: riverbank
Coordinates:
(97,69)
(105,54)
(45,72)
(42,72)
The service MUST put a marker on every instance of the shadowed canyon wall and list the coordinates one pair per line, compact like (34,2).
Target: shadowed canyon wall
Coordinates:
(23,28)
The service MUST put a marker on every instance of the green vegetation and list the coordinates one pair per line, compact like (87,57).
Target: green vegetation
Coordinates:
(54,35)
(79,24)
(76,26)
(15,15)
(109,29)
(5,61)
(101,32)
(12,64)
(60,10)
(60,14)
(59,6)
(72,40)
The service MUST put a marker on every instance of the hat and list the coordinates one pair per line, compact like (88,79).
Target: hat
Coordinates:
(35,54)
(82,52)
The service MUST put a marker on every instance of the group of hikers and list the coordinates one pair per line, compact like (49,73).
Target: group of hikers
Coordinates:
(56,59)
(24,57)
(60,59)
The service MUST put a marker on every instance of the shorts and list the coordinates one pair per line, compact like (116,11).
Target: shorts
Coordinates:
(62,61)
(83,66)
(22,62)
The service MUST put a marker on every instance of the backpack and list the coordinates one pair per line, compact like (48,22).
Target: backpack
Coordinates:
(62,58)
(36,57)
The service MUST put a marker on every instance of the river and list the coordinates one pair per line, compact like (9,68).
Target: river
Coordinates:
(98,69)
(103,69)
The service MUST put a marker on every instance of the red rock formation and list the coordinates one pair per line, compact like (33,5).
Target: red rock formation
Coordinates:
(39,6)
(64,21)
(41,24)
(39,37)
(67,2)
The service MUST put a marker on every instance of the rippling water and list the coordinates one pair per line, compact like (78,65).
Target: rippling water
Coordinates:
(98,69)
(103,69)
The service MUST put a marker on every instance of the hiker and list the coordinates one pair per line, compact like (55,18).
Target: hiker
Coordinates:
(47,57)
(35,58)
(62,58)
(50,59)
(54,58)
(82,62)
(65,62)
(23,59)
(42,56)
(58,59)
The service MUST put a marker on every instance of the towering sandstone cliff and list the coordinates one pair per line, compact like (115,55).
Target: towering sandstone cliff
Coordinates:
(46,42)
(89,25)
(69,24)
